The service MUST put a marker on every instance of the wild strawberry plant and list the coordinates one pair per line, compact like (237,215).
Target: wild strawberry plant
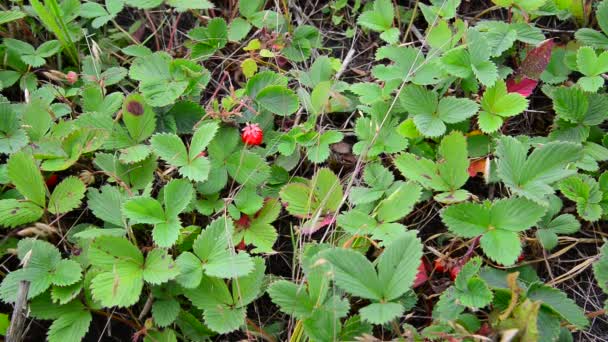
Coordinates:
(197,170)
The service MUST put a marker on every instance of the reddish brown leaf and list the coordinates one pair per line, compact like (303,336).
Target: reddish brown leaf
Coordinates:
(311,227)
(524,86)
(422,276)
(536,60)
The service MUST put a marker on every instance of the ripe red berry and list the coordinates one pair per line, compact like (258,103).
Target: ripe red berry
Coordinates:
(52,180)
(439,265)
(252,135)
(244,221)
(241,246)
(521,257)
(454,272)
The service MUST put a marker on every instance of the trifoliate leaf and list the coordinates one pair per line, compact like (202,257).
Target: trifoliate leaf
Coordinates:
(121,278)
(531,176)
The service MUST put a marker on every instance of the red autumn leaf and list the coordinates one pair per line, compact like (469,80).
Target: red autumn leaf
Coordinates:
(524,86)
(536,60)
(422,276)
(312,226)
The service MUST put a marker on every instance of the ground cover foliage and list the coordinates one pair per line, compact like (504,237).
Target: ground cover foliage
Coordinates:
(192,170)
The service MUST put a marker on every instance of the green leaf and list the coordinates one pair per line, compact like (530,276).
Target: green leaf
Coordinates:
(399,203)
(448,174)
(122,265)
(159,267)
(160,82)
(531,176)
(381,313)
(497,100)
(165,311)
(380,18)
(398,265)
(139,118)
(14,213)
(45,267)
(467,219)
(570,103)
(502,246)
(106,204)
(191,270)
(144,210)
(177,196)
(134,154)
(600,269)
(585,191)
(212,246)
(8,16)
(25,175)
(291,298)
(497,222)
(471,290)
(224,319)
(321,195)
(515,214)
(247,168)
(170,148)
(12,136)
(559,303)
(238,30)
(278,100)
(184,5)
(165,234)
(70,326)
(201,138)
(67,195)
(354,273)
(246,289)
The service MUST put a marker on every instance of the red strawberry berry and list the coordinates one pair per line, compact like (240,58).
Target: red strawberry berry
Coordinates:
(252,134)
(439,266)
(52,180)
(241,246)
(244,221)
(454,272)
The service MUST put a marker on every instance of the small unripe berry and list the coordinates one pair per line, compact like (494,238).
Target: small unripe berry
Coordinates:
(72,77)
